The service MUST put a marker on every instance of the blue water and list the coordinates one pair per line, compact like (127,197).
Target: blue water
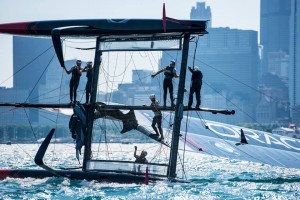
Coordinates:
(210,177)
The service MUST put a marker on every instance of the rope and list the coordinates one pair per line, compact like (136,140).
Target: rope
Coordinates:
(26,65)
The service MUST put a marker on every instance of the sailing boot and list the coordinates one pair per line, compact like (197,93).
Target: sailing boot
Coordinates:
(172,104)
(198,105)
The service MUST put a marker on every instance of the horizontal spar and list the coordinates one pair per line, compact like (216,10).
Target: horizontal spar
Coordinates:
(32,105)
(162,108)
(118,107)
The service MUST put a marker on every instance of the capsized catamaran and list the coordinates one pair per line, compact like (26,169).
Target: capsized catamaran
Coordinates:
(147,35)
(112,35)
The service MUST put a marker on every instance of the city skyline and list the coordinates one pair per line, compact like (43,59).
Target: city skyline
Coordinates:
(237,15)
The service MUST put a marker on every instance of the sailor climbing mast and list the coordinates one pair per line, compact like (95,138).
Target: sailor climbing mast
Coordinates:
(179,109)
(91,107)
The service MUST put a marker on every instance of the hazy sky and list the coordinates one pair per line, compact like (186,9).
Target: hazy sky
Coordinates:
(240,14)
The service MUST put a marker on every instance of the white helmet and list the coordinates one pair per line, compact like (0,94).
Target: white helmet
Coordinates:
(152,96)
(196,68)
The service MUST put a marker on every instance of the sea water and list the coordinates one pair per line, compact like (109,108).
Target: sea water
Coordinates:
(210,177)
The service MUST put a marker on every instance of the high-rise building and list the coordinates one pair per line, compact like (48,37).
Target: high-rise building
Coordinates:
(201,12)
(294,69)
(31,57)
(274,29)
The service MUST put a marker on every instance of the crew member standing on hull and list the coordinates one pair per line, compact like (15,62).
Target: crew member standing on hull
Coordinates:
(89,75)
(170,73)
(74,82)
(157,119)
(196,84)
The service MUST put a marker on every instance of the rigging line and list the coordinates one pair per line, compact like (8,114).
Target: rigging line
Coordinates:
(108,150)
(41,112)
(79,42)
(46,93)
(8,110)
(26,65)
(106,72)
(100,138)
(140,78)
(233,104)
(82,49)
(112,84)
(158,64)
(24,150)
(62,75)
(183,170)
(30,125)
(157,153)
(196,44)
(106,78)
(256,90)
(126,66)
(203,122)
(186,131)
(143,56)
(40,77)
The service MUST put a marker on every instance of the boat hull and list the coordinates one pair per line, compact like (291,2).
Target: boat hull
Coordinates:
(108,177)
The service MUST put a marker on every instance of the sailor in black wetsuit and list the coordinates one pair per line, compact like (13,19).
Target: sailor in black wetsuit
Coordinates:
(141,158)
(196,84)
(89,74)
(74,82)
(170,73)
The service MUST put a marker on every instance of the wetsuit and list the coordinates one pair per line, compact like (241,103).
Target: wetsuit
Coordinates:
(88,87)
(74,82)
(169,73)
(196,84)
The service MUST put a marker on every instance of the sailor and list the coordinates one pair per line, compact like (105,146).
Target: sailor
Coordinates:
(157,119)
(196,84)
(77,130)
(89,75)
(74,82)
(170,73)
(142,157)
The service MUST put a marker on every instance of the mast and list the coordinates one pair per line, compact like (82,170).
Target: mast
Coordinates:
(91,107)
(179,109)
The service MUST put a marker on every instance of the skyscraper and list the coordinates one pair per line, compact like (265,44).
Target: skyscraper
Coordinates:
(274,29)
(201,12)
(30,59)
(294,69)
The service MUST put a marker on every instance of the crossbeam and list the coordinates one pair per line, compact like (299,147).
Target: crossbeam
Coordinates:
(118,107)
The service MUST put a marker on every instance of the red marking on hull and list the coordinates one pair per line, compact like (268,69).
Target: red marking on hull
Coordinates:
(4,173)
(15,28)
